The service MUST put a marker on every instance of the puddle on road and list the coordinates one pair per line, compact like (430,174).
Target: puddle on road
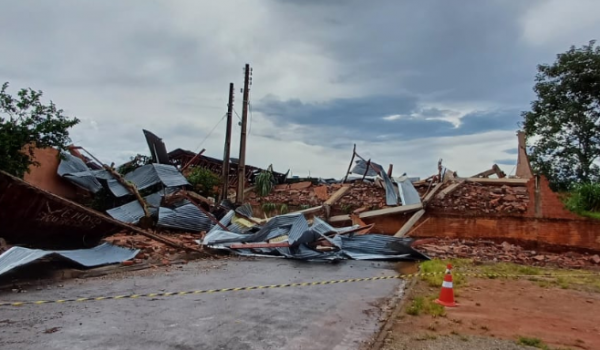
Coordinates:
(406,267)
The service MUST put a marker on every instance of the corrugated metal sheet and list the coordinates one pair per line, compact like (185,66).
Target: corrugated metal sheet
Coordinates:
(187,217)
(75,170)
(300,235)
(101,255)
(408,193)
(132,212)
(148,175)
(374,246)
(245,210)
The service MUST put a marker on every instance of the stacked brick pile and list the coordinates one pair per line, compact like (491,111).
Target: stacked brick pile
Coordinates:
(298,194)
(361,194)
(474,198)
(506,252)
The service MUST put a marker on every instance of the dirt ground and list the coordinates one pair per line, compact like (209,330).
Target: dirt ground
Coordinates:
(495,313)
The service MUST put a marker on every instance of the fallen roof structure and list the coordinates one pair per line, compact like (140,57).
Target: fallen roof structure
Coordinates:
(104,254)
(291,236)
(31,215)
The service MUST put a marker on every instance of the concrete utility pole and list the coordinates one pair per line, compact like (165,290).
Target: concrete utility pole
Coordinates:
(242,160)
(227,150)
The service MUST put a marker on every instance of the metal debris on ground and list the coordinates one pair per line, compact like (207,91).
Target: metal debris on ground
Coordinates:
(306,241)
(104,254)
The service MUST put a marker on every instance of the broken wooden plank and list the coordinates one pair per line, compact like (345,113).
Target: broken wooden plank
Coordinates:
(259,245)
(410,223)
(499,182)
(360,230)
(351,162)
(446,191)
(337,196)
(432,193)
(418,226)
(378,212)
(394,210)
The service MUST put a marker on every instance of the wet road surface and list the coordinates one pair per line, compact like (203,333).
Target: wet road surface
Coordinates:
(337,316)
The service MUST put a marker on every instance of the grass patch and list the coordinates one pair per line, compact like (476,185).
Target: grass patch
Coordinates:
(511,269)
(425,306)
(439,267)
(426,337)
(534,342)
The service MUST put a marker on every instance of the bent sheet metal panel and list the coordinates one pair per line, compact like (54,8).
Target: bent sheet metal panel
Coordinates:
(29,214)
(101,255)
(75,170)
(148,175)
(186,217)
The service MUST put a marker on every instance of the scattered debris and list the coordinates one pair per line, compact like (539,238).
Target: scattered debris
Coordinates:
(291,236)
(487,251)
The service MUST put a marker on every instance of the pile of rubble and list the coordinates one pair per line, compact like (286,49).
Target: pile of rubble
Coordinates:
(361,194)
(486,251)
(153,251)
(304,194)
(476,198)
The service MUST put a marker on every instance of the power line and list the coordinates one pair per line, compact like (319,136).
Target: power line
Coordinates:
(213,129)
(236,113)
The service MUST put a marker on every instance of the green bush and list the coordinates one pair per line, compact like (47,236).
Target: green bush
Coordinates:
(585,198)
(204,181)
(264,182)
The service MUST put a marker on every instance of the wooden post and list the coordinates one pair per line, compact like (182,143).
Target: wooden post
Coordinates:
(350,166)
(390,168)
(366,170)
(242,160)
(226,151)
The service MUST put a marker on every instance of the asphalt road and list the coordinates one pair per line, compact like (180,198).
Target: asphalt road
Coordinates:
(338,316)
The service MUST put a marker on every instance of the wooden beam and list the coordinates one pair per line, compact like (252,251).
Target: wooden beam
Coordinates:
(410,223)
(337,196)
(446,191)
(419,225)
(259,245)
(351,162)
(379,212)
(499,182)
(432,193)
(394,210)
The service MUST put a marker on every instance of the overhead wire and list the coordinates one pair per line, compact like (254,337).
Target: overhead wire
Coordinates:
(213,129)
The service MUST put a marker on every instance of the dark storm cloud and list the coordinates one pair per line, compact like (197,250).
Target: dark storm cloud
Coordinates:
(457,50)
(512,151)
(363,118)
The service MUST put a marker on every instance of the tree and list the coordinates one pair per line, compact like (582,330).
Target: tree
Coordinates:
(26,123)
(563,126)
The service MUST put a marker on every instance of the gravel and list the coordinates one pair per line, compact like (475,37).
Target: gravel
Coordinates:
(453,342)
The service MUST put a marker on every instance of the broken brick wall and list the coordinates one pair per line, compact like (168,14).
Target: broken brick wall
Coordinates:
(45,177)
(534,232)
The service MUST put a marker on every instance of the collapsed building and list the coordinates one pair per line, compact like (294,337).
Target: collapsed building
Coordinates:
(367,214)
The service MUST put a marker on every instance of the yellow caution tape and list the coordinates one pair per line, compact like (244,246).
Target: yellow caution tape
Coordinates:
(273,286)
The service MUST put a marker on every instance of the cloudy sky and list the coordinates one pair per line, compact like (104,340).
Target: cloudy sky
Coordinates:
(408,81)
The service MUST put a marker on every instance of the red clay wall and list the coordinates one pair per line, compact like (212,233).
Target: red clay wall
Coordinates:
(579,234)
(45,177)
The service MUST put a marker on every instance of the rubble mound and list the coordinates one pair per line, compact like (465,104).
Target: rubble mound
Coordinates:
(477,199)
(152,250)
(487,251)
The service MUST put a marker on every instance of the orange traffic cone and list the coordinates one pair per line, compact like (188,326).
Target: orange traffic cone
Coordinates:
(447,293)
